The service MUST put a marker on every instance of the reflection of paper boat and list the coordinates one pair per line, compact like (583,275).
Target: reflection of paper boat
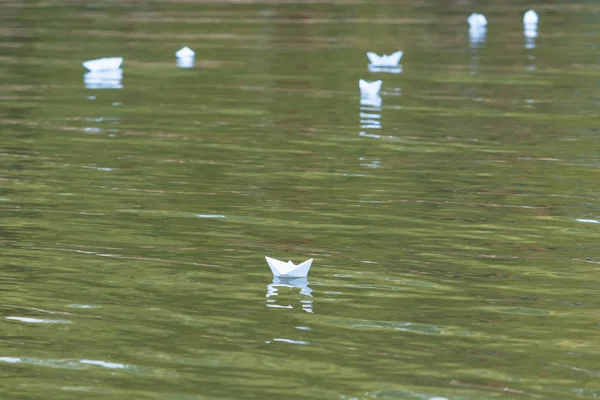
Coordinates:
(369,89)
(111,79)
(300,283)
(477,36)
(185,62)
(385,60)
(289,269)
(388,70)
(374,101)
(104,64)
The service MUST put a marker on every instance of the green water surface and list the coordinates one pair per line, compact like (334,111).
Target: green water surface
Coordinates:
(456,248)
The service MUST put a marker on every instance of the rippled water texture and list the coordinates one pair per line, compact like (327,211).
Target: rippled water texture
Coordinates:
(453,218)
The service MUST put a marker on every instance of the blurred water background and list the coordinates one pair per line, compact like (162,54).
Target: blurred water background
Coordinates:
(454,228)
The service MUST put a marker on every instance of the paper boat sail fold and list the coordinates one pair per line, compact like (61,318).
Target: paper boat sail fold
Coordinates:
(288,269)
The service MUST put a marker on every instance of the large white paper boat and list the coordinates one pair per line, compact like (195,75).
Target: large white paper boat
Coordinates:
(384,60)
(103,64)
(289,269)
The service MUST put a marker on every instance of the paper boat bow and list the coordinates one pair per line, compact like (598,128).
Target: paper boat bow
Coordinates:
(289,269)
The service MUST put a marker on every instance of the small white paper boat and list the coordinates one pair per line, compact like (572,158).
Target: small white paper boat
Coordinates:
(289,269)
(104,64)
(385,60)
(185,57)
(530,18)
(477,21)
(369,89)
(185,52)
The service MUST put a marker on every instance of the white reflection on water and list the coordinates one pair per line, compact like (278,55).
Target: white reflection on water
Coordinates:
(530,35)
(477,37)
(375,163)
(389,70)
(39,321)
(104,79)
(104,364)
(72,364)
(588,221)
(291,283)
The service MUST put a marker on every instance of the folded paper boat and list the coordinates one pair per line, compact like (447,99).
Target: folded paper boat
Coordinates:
(103,64)
(385,60)
(289,269)
(477,21)
(185,52)
(530,18)
(369,89)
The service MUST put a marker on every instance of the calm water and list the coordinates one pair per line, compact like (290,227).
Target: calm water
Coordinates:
(454,228)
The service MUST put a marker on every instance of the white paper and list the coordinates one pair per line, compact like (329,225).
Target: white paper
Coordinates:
(477,20)
(530,18)
(103,64)
(385,60)
(185,52)
(289,269)
(185,57)
(369,89)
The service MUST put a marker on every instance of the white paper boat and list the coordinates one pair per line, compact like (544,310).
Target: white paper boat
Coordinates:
(369,89)
(185,57)
(477,20)
(103,64)
(185,52)
(289,269)
(110,79)
(385,60)
(530,18)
